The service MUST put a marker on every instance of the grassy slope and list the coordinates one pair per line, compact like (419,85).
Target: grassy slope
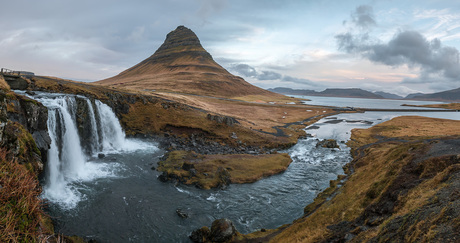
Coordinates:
(399,190)
(21,216)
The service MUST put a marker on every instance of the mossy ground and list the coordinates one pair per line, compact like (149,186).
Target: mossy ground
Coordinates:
(207,171)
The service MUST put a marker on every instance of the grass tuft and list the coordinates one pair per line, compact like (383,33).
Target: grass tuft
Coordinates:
(21,214)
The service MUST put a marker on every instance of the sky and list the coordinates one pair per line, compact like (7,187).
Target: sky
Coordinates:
(398,46)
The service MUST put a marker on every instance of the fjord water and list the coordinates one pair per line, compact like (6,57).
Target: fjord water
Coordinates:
(118,198)
(365,103)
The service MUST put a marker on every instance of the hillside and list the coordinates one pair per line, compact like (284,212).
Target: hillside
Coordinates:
(182,65)
(346,93)
(449,95)
(387,95)
(289,91)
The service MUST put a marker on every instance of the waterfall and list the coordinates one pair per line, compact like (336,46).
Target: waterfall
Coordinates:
(111,131)
(79,130)
(94,128)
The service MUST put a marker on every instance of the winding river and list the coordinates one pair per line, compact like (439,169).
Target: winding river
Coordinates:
(117,197)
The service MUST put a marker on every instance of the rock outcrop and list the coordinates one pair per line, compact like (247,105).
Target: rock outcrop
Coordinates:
(222,230)
(327,143)
(23,129)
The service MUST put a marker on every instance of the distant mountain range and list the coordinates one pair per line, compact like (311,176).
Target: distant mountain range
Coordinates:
(449,95)
(348,93)
(387,95)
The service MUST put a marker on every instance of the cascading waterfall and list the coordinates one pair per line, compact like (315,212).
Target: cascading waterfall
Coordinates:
(79,131)
(111,131)
(94,131)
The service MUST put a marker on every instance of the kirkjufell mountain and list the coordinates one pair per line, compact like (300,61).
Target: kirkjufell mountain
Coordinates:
(182,65)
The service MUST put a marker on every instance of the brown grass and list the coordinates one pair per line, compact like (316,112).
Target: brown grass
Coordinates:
(3,84)
(21,215)
(256,115)
(406,127)
(450,106)
(242,168)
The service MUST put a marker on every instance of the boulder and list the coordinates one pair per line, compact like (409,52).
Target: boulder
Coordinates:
(188,166)
(224,177)
(200,235)
(181,213)
(222,230)
(327,143)
(229,121)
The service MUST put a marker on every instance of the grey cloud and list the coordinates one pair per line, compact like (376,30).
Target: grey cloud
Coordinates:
(409,48)
(250,72)
(363,16)
(245,70)
(299,81)
(269,75)
(209,7)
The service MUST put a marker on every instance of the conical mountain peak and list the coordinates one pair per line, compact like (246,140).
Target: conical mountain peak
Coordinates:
(180,39)
(182,65)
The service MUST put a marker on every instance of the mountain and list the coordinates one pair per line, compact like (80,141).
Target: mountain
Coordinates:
(289,91)
(411,96)
(387,95)
(347,93)
(182,65)
(449,95)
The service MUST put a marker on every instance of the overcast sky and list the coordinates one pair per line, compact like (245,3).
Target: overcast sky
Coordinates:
(395,46)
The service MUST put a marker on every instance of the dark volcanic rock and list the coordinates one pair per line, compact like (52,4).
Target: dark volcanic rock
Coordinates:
(222,230)
(229,121)
(327,143)
(224,177)
(200,235)
(181,213)
(33,117)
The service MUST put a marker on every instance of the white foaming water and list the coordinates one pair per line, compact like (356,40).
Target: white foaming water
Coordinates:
(114,139)
(94,131)
(112,133)
(68,166)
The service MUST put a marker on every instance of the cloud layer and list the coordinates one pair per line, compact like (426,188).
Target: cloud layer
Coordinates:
(407,47)
(248,71)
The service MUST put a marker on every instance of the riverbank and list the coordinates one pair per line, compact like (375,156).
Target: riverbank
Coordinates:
(449,106)
(401,185)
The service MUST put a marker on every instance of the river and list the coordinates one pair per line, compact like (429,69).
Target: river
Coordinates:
(118,198)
